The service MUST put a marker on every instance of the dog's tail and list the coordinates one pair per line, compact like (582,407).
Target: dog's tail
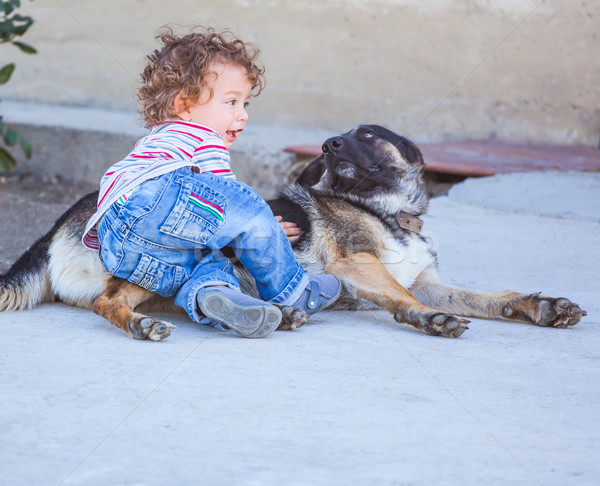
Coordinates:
(27,282)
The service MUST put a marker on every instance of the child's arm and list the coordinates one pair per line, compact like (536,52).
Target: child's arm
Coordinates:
(290,229)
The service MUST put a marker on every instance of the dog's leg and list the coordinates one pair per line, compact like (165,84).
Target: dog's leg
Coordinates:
(116,305)
(532,308)
(370,280)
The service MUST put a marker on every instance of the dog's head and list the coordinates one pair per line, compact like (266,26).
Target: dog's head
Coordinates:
(371,162)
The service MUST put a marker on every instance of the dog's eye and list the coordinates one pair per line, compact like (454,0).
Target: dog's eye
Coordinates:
(367,135)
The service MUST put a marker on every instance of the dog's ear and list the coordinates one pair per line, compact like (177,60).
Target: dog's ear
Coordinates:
(312,173)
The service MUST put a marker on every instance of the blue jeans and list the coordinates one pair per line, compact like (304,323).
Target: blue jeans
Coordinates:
(168,236)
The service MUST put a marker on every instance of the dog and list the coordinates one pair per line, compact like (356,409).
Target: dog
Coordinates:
(359,204)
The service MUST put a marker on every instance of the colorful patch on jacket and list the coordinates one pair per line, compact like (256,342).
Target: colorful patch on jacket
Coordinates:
(212,208)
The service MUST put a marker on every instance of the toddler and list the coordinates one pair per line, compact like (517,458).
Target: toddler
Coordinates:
(167,210)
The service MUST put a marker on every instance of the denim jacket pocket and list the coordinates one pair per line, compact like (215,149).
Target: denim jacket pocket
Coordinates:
(157,276)
(197,215)
(110,240)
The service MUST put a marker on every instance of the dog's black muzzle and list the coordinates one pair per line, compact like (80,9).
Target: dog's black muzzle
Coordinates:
(341,170)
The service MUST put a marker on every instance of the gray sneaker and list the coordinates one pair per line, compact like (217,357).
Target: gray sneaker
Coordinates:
(322,291)
(249,317)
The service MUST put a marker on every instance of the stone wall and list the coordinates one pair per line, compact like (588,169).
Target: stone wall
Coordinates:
(440,69)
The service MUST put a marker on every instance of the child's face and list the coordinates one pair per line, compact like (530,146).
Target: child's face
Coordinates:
(226,111)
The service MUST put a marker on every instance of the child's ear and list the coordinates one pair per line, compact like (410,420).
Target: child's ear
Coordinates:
(182,108)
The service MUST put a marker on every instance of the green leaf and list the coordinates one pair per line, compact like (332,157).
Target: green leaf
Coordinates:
(21,29)
(6,73)
(8,8)
(11,136)
(7,161)
(26,146)
(16,3)
(22,18)
(6,29)
(26,48)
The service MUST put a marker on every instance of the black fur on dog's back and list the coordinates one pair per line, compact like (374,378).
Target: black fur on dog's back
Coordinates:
(291,212)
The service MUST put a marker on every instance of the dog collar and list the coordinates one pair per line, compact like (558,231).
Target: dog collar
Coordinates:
(409,222)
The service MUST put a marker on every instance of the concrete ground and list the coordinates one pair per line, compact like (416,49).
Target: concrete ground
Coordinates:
(349,399)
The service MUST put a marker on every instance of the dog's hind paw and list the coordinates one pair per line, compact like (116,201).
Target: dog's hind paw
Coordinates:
(150,329)
(292,318)
(560,312)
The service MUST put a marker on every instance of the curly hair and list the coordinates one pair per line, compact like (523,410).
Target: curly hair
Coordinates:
(182,65)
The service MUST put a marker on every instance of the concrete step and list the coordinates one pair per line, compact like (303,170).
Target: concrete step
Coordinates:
(81,143)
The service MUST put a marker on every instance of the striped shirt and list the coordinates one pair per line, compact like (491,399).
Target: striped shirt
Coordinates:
(169,146)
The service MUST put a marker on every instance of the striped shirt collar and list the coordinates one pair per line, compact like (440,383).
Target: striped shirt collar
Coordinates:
(192,125)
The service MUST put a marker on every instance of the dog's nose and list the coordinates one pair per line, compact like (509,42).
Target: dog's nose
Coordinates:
(332,145)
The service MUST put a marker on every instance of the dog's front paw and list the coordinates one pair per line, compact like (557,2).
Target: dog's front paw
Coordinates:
(558,312)
(292,318)
(435,323)
(444,325)
(544,311)
(150,329)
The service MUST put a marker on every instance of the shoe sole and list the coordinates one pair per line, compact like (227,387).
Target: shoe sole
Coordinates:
(251,322)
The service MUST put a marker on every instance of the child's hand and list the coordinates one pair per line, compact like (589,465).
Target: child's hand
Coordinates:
(290,229)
